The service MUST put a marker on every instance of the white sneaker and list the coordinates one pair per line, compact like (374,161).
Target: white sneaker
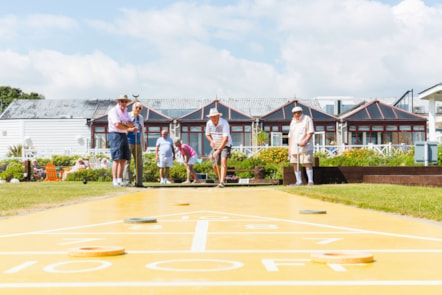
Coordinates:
(161,181)
(166,181)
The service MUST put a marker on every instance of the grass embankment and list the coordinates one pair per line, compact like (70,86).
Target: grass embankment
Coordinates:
(420,202)
(19,198)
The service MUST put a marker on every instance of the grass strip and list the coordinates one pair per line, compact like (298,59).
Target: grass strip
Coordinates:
(19,198)
(415,201)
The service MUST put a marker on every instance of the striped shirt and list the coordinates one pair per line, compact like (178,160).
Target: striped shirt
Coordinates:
(219,132)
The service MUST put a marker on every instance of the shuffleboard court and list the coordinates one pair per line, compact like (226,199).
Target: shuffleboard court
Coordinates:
(250,240)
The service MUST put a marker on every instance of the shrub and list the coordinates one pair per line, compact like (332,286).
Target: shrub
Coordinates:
(273,155)
(91,175)
(15,169)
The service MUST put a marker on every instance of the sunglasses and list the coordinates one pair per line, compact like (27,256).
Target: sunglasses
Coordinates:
(139,108)
(122,102)
(297,112)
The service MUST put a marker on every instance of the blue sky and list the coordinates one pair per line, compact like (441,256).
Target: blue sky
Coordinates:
(206,49)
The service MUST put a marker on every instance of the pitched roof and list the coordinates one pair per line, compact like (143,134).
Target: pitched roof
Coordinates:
(379,111)
(434,92)
(147,113)
(285,113)
(56,108)
(177,108)
(229,113)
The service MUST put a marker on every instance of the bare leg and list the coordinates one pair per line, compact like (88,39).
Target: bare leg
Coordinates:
(120,168)
(193,172)
(223,169)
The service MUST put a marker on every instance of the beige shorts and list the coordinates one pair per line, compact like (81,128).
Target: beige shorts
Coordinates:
(303,158)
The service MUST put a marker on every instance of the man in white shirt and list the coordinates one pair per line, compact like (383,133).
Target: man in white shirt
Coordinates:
(218,134)
(118,124)
(165,155)
(301,144)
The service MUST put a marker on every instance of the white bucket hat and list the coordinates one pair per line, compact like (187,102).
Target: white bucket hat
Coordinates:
(123,97)
(214,112)
(296,109)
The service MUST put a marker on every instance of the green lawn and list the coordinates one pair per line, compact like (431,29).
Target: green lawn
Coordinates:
(18,198)
(421,202)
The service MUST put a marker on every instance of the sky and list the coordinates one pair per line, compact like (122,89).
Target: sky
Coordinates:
(100,49)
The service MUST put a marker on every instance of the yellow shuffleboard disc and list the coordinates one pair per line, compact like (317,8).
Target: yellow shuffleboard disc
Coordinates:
(96,251)
(342,257)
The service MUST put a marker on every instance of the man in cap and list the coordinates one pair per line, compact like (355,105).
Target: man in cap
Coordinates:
(137,144)
(119,122)
(218,134)
(301,144)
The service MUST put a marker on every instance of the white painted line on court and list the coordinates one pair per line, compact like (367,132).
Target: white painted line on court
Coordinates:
(20,267)
(209,233)
(222,284)
(337,267)
(82,226)
(200,237)
(336,227)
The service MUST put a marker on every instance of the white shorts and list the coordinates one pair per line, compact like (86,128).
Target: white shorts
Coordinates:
(303,158)
(192,160)
(164,162)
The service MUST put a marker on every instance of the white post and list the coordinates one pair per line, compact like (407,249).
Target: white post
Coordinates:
(432,119)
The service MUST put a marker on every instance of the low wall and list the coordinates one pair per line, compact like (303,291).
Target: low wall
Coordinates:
(331,175)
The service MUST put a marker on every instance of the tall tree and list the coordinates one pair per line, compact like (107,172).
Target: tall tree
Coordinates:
(8,94)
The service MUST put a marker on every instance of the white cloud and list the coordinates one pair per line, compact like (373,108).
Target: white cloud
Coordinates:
(351,47)
(7,27)
(48,21)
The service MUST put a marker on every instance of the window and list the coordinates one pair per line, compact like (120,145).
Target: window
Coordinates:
(100,137)
(391,128)
(405,128)
(195,137)
(153,133)
(242,135)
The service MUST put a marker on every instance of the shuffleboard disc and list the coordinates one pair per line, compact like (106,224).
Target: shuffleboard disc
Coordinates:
(342,257)
(140,220)
(96,251)
(181,204)
(312,211)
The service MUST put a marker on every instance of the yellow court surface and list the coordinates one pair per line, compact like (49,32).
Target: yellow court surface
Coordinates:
(236,240)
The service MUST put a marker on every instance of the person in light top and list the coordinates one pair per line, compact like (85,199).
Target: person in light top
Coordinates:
(301,144)
(165,155)
(218,134)
(119,122)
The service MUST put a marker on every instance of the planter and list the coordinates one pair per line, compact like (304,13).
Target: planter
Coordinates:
(378,174)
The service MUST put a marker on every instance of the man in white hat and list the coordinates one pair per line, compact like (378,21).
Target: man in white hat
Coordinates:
(118,124)
(218,134)
(301,144)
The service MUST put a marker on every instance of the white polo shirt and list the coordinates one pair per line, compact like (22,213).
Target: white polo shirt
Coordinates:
(219,131)
(298,131)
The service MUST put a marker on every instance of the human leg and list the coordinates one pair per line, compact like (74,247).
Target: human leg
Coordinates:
(127,174)
(295,160)
(306,159)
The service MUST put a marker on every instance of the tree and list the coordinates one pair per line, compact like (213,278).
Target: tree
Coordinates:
(8,94)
